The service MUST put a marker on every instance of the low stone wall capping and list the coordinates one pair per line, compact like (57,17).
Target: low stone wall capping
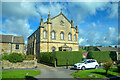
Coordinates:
(24,64)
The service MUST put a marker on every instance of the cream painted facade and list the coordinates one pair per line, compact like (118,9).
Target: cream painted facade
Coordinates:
(65,36)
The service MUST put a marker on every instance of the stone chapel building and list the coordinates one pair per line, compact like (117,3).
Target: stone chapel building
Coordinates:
(56,34)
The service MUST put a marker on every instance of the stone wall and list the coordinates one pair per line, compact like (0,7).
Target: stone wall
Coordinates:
(24,64)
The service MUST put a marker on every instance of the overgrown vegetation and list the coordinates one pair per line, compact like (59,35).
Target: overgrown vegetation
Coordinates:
(16,57)
(62,57)
(28,57)
(102,56)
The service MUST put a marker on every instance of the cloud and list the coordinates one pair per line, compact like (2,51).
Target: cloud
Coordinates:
(94,37)
(93,24)
(19,10)
(17,27)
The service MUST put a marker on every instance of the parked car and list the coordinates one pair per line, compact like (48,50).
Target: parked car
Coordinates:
(88,63)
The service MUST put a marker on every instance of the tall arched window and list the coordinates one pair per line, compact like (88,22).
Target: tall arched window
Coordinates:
(53,48)
(70,36)
(53,34)
(61,35)
(75,37)
(45,34)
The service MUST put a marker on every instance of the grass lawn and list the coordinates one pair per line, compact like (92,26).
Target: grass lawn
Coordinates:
(6,75)
(96,73)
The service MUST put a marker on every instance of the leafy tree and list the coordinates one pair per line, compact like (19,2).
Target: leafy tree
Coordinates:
(108,65)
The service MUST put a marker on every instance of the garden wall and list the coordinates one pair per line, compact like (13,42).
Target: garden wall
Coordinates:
(25,64)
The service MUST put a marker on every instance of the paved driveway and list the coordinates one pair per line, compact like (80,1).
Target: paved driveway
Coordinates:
(52,72)
(55,73)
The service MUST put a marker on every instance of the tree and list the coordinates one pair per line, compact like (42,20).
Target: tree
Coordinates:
(108,65)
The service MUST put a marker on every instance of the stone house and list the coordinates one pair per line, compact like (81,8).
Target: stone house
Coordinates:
(116,49)
(56,34)
(11,44)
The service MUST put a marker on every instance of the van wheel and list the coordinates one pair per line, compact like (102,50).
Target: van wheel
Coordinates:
(83,68)
(96,67)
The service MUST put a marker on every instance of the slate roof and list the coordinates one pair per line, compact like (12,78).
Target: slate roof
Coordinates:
(11,39)
(18,39)
(107,48)
(6,38)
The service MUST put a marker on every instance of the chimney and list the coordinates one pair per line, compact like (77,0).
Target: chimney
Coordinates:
(41,23)
(115,46)
(72,25)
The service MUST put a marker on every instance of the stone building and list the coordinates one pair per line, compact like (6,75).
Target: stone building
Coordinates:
(56,34)
(11,44)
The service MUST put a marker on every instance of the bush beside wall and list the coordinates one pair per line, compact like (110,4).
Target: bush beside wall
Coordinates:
(102,56)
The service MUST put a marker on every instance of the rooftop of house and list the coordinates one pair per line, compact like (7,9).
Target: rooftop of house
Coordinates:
(11,39)
(108,48)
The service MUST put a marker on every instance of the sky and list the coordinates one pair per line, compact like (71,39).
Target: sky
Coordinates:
(97,21)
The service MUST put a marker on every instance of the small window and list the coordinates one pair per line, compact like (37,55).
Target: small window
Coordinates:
(53,49)
(45,34)
(53,34)
(70,36)
(62,35)
(88,62)
(92,60)
(75,37)
(17,46)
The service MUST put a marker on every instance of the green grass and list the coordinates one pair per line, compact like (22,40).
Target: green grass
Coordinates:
(96,73)
(82,50)
(19,74)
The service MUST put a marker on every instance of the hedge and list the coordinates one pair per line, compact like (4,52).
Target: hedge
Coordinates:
(47,57)
(62,57)
(102,56)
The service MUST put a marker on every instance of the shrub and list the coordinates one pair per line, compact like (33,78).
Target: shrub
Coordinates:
(113,55)
(5,56)
(29,57)
(15,57)
(118,67)
(108,65)
(100,56)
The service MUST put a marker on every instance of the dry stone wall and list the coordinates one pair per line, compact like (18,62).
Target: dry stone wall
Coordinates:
(24,64)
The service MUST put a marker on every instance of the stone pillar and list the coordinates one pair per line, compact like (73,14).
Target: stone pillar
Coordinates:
(73,28)
(48,31)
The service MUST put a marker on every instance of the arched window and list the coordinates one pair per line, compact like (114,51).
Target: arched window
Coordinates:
(75,37)
(53,48)
(61,35)
(45,34)
(70,36)
(53,34)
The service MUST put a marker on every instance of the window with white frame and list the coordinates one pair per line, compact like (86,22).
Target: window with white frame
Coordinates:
(53,34)
(17,46)
(62,35)
(45,34)
(70,36)
(75,37)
